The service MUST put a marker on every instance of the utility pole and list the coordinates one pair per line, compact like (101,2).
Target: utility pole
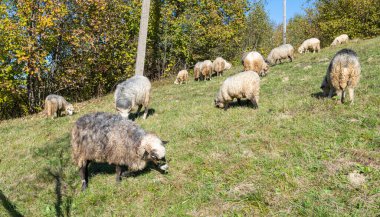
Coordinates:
(284,22)
(143,32)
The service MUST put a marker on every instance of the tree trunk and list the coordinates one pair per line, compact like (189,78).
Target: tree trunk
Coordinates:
(143,32)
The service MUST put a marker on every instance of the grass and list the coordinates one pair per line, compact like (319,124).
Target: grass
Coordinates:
(291,157)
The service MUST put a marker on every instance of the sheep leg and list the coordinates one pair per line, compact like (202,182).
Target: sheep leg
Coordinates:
(331,93)
(139,110)
(118,173)
(239,101)
(291,59)
(351,93)
(145,112)
(226,105)
(255,101)
(339,94)
(83,172)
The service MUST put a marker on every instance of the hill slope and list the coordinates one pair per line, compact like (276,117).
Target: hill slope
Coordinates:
(292,156)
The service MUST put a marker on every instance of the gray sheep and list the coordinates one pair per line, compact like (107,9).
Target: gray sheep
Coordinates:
(133,92)
(55,104)
(282,52)
(242,85)
(110,138)
(343,72)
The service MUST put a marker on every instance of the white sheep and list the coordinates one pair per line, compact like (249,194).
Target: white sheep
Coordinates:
(133,92)
(182,77)
(197,71)
(282,52)
(242,85)
(340,40)
(343,72)
(253,61)
(312,44)
(219,65)
(206,69)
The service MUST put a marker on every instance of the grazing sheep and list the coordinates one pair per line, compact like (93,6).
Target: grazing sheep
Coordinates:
(253,61)
(282,52)
(133,92)
(242,85)
(55,104)
(206,69)
(110,138)
(182,77)
(219,65)
(340,40)
(197,71)
(310,44)
(343,72)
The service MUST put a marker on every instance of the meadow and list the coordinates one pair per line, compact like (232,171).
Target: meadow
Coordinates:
(290,157)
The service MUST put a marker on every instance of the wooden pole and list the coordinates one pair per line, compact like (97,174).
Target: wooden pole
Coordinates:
(143,32)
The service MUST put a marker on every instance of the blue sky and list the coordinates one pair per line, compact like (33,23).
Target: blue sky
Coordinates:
(293,7)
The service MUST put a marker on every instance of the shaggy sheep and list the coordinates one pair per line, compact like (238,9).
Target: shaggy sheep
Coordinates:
(219,65)
(253,61)
(182,77)
(133,92)
(312,44)
(340,40)
(55,104)
(343,72)
(206,69)
(242,85)
(282,52)
(197,71)
(110,138)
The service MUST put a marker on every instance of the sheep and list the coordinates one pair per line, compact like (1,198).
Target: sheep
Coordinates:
(55,104)
(343,72)
(253,61)
(282,52)
(310,44)
(340,40)
(219,65)
(110,138)
(242,85)
(197,71)
(135,91)
(182,77)
(206,69)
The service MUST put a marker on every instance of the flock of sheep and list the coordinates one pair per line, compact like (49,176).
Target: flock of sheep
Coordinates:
(113,138)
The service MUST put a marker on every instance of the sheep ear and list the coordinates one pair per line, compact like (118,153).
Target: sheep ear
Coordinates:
(164,143)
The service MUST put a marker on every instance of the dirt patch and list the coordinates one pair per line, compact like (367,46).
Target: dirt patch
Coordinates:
(285,79)
(356,179)
(307,67)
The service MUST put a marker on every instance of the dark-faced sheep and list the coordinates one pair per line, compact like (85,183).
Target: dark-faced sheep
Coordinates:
(242,85)
(343,73)
(282,52)
(312,44)
(340,40)
(253,61)
(55,104)
(219,65)
(197,71)
(182,77)
(110,138)
(131,93)
(206,69)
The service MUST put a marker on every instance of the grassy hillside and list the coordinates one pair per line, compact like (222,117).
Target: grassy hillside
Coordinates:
(290,157)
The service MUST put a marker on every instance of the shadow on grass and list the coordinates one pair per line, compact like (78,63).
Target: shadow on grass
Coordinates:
(243,103)
(11,208)
(134,116)
(318,95)
(57,154)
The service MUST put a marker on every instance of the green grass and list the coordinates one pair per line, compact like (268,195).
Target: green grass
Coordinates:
(290,157)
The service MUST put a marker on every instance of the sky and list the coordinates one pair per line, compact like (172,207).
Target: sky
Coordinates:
(293,7)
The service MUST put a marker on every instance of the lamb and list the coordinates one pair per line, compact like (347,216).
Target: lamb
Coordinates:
(242,85)
(182,77)
(340,40)
(253,61)
(219,65)
(343,72)
(110,138)
(197,71)
(206,69)
(310,44)
(133,92)
(282,52)
(55,104)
